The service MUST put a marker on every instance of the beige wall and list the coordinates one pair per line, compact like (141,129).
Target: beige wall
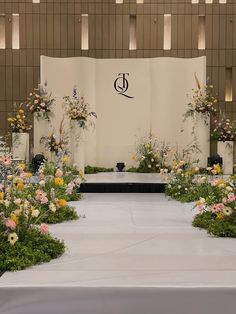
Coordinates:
(53,28)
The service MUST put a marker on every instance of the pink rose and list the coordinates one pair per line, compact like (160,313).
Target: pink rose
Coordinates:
(43,228)
(10,224)
(59,173)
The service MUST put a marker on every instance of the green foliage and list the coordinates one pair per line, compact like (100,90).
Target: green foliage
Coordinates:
(214,226)
(36,248)
(62,214)
(93,169)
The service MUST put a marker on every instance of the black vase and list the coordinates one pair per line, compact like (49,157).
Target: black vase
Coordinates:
(120,166)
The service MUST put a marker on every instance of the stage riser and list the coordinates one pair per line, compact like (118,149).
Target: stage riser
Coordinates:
(122,188)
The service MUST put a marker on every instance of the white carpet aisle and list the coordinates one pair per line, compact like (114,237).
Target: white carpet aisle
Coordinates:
(132,254)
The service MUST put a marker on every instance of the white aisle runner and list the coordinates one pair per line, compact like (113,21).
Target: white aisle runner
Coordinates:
(133,254)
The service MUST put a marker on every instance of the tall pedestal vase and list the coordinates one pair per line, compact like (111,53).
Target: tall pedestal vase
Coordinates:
(41,128)
(225,150)
(77,145)
(20,146)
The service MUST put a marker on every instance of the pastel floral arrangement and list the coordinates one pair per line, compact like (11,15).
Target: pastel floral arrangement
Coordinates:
(203,101)
(18,121)
(27,207)
(40,103)
(56,144)
(223,130)
(151,155)
(20,230)
(217,210)
(77,109)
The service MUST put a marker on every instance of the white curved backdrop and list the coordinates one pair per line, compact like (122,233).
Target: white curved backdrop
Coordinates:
(159,87)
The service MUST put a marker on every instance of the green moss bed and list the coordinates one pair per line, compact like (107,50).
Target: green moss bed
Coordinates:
(33,248)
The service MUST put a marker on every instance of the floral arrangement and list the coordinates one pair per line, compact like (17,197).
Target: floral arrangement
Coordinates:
(18,122)
(203,101)
(186,181)
(217,211)
(20,231)
(223,130)
(78,110)
(54,143)
(151,155)
(26,208)
(40,102)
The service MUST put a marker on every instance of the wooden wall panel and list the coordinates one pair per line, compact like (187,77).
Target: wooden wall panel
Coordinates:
(53,28)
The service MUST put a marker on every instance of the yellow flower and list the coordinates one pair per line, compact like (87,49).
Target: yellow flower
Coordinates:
(22,166)
(65,159)
(220,215)
(1,196)
(133,157)
(12,238)
(15,218)
(18,116)
(62,203)
(29,174)
(217,169)
(20,186)
(81,173)
(59,181)
(21,111)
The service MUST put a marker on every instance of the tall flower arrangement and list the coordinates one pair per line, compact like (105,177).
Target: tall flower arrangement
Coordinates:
(40,103)
(202,102)
(54,143)
(18,122)
(77,109)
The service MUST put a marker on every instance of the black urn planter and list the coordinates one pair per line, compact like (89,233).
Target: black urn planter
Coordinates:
(120,166)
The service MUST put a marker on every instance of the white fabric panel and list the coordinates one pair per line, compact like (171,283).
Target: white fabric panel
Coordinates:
(62,75)
(133,254)
(159,87)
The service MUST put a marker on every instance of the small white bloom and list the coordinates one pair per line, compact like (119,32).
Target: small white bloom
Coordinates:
(52,207)
(42,183)
(17,201)
(12,238)
(6,203)
(35,213)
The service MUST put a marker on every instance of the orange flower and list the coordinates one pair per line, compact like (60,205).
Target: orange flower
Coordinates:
(20,186)
(1,196)
(62,203)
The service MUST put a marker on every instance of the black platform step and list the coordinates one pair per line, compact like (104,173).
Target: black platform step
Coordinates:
(122,187)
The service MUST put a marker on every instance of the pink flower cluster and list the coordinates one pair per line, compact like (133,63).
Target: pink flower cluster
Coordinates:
(41,197)
(217,207)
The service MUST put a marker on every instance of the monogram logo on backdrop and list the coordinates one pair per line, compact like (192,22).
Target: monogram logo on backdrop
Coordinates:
(121,84)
